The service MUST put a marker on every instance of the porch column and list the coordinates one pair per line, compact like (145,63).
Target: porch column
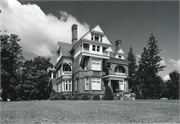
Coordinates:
(109,84)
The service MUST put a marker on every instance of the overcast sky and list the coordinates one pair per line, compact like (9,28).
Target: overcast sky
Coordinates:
(41,24)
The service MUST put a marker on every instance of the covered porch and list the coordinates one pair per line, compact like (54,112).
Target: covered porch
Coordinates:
(117,84)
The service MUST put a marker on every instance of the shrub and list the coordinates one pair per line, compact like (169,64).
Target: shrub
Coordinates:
(133,95)
(63,97)
(68,98)
(75,98)
(85,97)
(56,98)
(108,94)
(126,93)
(96,97)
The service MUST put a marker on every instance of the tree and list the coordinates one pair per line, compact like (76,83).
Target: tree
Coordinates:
(149,66)
(173,85)
(11,63)
(131,68)
(34,79)
(108,94)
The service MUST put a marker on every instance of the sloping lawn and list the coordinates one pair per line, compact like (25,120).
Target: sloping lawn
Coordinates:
(116,111)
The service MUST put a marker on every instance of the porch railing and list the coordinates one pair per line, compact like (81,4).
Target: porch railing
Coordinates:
(118,73)
(67,73)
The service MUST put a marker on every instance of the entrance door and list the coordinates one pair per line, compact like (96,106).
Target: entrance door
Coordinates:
(115,86)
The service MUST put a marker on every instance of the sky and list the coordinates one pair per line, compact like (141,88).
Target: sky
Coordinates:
(41,24)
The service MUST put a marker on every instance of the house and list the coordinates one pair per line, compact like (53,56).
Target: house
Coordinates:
(89,64)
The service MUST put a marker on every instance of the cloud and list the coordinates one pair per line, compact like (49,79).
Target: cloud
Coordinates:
(138,56)
(165,78)
(163,62)
(175,63)
(39,32)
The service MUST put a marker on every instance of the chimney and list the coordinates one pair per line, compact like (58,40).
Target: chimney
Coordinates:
(118,44)
(74,34)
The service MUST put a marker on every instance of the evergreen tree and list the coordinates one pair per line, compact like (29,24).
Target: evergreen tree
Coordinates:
(108,94)
(149,66)
(131,69)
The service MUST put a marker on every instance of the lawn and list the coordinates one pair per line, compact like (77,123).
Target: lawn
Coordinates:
(116,111)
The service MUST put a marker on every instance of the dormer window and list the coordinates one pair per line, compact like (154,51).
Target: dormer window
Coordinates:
(92,38)
(96,38)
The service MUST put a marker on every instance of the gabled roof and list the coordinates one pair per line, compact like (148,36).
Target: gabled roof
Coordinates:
(65,47)
(96,29)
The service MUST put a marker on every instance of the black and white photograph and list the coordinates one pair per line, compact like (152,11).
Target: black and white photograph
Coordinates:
(89,62)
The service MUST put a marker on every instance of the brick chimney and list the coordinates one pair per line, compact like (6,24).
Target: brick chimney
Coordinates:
(118,44)
(74,34)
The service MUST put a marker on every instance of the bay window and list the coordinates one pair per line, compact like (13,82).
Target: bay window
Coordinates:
(96,83)
(96,64)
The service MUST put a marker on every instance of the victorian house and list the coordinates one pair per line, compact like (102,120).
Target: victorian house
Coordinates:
(89,64)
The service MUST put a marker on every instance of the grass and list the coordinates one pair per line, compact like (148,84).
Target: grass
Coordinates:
(116,111)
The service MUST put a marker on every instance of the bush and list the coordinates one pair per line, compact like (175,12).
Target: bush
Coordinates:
(68,98)
(85,97)
(75,98)
(96,97)
(63,97)
(56,98)
(108,94)
(133,95)
(126,93)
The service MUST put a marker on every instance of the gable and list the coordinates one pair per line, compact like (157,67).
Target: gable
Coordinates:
(98,30)
(65,47)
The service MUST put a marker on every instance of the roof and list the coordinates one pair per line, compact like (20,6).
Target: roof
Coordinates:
(65,47)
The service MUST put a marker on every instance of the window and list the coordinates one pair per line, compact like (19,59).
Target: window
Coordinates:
(108,65)
(92,37)
(86,83)
(119,56)
(96,64)
(86,67)
(62,86)
(98,48)
(86,46)
(66,68)
(76,83)
(54,74)
(66,82)
(70,85)
(101,39)
(121,85)
(96,83)
(96,38)
(94,48)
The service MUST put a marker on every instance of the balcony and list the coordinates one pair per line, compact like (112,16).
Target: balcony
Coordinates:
(118,73)
(67,73)
(93,52)
(93,73)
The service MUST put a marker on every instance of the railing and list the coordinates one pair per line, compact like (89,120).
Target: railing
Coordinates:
(67,73)
(118,73)
(88,51)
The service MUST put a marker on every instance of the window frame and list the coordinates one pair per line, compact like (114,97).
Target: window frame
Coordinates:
(94,80)
(86,82)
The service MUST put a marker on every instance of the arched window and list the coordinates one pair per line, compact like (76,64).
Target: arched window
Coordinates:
(119,69)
